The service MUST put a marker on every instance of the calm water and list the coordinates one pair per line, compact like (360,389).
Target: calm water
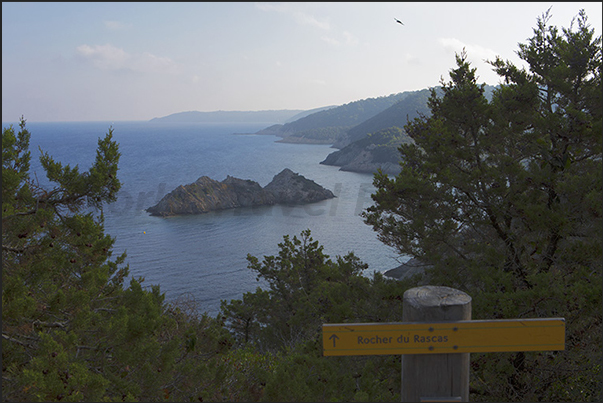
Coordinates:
(204,256)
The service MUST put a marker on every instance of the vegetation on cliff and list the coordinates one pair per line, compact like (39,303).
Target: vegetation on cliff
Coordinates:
(376,151)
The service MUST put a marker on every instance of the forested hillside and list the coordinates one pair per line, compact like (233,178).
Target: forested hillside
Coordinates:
(365,148)
(329,125)
(411,106)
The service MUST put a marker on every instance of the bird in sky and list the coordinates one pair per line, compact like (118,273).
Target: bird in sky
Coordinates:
(398,21)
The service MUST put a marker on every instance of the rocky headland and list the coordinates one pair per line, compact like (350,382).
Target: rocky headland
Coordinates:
(369,159)
(376,151)
(207,194)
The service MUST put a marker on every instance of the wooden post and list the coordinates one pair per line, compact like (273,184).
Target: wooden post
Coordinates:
(435,377)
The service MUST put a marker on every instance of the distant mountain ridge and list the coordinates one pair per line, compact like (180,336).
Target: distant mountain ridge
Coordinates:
(309,112)
(267,116)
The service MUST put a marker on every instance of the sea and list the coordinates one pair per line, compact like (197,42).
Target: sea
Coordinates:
(201,260)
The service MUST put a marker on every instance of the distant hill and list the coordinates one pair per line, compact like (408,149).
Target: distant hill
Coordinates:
(377,150)
(269,116)
(329,125)
(374,143)
(413,104)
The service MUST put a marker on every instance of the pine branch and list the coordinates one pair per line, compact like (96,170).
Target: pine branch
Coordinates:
(11,249)
(8,338)
(62,325)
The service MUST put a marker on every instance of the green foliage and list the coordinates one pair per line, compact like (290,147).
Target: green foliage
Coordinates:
(304,375)
(71,329)
(15,158)
(384,144)
(503,200)
(302,282)
(55,272)
(305,289)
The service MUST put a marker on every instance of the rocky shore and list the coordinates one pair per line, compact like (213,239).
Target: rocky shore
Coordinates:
(376,151)
(355,158)
(406,270)
(207,194)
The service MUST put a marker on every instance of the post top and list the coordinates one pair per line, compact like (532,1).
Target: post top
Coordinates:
(435,296)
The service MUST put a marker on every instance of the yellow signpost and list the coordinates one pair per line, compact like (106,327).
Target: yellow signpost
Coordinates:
(469,336)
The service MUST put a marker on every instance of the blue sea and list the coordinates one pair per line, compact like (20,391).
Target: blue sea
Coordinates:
(201,259)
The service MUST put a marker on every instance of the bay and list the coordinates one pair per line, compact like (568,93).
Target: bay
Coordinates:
(202,258)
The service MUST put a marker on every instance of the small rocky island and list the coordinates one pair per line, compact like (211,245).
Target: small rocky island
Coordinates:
(207,194)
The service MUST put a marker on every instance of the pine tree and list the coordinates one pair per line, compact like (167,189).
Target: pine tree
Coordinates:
(56,271)
(301,281)
(503,200)
(71,328)
(305,288)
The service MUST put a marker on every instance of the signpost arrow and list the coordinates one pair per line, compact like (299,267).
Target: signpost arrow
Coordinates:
(334,337)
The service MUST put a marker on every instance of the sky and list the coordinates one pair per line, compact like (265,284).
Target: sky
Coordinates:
(137,61)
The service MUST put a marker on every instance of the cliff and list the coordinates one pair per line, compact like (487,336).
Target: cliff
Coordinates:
(376,151)
(207,194)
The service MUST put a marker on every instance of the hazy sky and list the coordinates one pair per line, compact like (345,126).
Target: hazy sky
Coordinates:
(137,61)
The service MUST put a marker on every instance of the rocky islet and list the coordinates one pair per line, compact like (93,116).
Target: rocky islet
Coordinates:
(206,194)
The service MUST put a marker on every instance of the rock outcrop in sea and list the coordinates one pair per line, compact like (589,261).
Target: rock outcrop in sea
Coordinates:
(376,151)
(207,194)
